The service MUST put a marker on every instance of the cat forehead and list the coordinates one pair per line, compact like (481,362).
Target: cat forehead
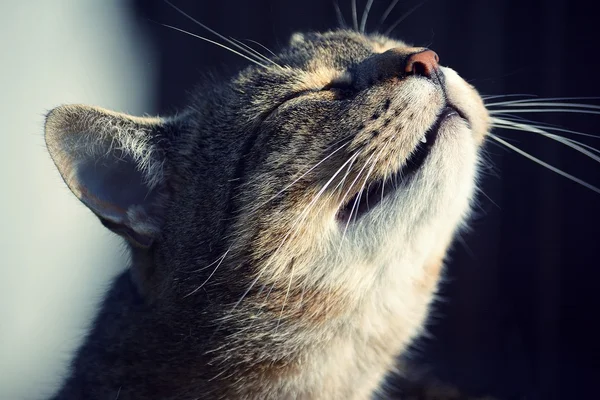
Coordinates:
(341,46)
(345,39)
(322,57)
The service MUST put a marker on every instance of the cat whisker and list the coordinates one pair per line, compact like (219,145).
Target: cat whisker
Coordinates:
(544,126)
(220,374)
(480,190)
(298,224)
(344,200)
(303,289)
(322,190)
(516,119)
(300,177)
(360,192)
(574,144)
(386,13)
(554,104)
(586,146)
(365,16)
(340,17)
(383,187)
(210,276)
(544,110)
(263,46)
(260,56)
(281,245)
(241,299)
(403,17)
(544,164)
(287,293)
(262,289)
(539,105)
(335,191)
(535,99)
(215,43)
(257,207)
(205,267)
(522,127)
(354,15)
(341,184)
(179,10)
(503,96)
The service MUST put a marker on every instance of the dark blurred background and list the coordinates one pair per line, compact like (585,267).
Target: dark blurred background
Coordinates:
(518,316)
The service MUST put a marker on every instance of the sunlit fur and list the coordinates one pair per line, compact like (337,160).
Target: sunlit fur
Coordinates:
(253,288)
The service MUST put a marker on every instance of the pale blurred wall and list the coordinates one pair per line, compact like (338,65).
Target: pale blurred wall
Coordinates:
(55,257)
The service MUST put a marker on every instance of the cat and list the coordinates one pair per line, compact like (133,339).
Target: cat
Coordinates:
(287,229)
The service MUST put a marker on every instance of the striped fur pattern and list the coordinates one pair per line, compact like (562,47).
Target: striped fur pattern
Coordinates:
(260,270)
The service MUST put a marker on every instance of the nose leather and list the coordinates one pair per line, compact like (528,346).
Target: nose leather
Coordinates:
(398,62)
(424,63)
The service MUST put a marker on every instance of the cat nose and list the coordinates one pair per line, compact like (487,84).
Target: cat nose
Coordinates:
(399,62)
(424,63)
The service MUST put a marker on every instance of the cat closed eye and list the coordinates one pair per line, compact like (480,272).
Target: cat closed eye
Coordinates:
(344,87)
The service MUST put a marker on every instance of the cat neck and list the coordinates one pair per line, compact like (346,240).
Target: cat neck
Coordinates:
(335,347)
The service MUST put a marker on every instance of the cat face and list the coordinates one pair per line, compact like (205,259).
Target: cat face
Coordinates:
(360,150)
(344,155)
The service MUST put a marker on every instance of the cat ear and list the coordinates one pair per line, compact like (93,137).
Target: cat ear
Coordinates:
(114,164)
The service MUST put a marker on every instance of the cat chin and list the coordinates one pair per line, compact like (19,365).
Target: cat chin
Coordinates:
(381,258)
(436,198)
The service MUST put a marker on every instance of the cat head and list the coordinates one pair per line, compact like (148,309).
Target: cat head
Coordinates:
(342,156)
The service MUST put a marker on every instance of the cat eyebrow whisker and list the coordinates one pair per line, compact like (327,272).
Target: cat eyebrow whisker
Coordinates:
(387,12)
(403,17)
(542,163)
(256,53)
(207,28)
(365,16)
(215,43)
(354,16)
(340,17)
(262,45)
